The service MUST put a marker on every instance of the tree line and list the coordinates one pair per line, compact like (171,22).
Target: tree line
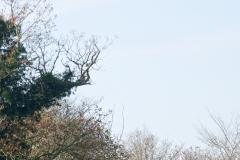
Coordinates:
(38,73)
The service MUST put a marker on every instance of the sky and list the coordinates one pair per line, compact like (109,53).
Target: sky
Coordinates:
(171,63)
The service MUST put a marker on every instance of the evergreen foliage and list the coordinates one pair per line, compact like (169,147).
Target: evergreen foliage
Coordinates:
(21,94)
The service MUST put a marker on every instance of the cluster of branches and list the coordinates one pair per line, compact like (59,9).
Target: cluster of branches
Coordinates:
(70,131)
(29,78)
(221,145)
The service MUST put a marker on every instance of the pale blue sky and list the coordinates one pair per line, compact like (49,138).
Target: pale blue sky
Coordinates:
(172,60)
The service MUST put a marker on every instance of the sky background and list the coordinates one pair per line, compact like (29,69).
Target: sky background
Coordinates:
(171,63)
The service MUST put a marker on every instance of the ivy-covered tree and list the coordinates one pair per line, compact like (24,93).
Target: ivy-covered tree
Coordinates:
(36,71)
(29,54)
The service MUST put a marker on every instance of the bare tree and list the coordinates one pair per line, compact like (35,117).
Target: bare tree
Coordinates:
(143,145)
(226,141)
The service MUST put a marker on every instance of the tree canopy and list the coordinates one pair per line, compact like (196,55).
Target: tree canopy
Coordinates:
(37,73)
(29,55)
